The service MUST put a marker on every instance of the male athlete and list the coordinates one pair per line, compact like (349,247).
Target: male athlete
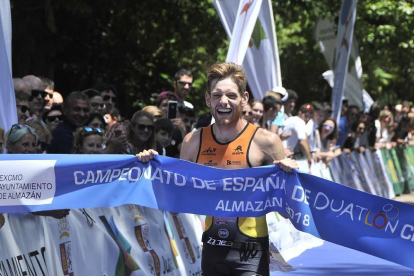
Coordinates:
(230,143)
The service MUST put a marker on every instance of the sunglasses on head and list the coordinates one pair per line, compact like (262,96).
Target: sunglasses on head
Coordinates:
(92,130)
(184,83)
(142,127)
(107,98)
(328,126)
(96,105)
(19,126)
(53,118)
(23,108)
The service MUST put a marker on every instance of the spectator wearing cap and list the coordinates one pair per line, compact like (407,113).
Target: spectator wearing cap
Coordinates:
(163,99)
(183,82)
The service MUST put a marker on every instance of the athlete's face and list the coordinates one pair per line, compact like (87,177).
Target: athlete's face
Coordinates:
(225,102)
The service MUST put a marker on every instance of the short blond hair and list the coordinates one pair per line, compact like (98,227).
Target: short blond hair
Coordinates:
(221,71)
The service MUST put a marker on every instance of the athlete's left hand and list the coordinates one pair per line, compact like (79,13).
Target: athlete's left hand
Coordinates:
(287,164)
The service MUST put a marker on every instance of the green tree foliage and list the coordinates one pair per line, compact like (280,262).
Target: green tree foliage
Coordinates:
(139,45)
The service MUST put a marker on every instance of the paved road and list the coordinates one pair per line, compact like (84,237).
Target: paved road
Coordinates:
(407,198)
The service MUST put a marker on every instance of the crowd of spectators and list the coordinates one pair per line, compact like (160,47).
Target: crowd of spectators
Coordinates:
(88,122)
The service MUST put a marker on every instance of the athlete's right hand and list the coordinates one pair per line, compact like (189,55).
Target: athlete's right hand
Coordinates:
(146,155)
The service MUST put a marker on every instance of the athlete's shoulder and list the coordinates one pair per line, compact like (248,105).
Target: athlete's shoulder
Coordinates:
(190,146)
(265,137)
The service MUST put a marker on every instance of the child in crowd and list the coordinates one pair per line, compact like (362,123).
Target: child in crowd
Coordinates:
(163,133)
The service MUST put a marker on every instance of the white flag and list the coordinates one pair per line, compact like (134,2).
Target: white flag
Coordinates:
(343,49)
(325,35)
(261,61)
(8,114)
(242,31)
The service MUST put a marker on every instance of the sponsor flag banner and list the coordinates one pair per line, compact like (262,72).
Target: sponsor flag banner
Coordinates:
(333,212)
(243,27)
(261,60)
(325,35)
(343,50)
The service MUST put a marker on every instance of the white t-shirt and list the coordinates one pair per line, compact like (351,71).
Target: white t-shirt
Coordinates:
(188,104)
(382,133)
(311,127)
(297,127)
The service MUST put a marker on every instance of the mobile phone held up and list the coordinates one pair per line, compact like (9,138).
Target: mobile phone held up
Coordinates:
(172,110)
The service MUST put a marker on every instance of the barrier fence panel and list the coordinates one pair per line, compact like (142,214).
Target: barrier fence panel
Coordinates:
(137,240)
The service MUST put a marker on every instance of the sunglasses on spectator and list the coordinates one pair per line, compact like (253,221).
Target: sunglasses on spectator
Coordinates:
(36,93)
(142,127)
(107,98)
(94,130)
(23,108)
(328,126)
(95,105)
(184,83)
(248,113)
(53,118)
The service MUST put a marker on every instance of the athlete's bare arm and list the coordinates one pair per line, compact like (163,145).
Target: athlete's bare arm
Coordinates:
(190,146)
(266,149)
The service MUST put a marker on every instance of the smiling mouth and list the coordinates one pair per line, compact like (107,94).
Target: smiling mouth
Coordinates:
(224,110)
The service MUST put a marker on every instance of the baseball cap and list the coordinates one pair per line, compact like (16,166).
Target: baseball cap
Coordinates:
(167,95)
(282,91)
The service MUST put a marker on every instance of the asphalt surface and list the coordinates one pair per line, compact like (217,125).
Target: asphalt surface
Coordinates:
(407,198)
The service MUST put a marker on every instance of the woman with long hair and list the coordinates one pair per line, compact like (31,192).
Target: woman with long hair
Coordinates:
(325,140)
(141,132)
(384,125)
(257,112)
